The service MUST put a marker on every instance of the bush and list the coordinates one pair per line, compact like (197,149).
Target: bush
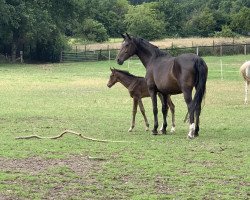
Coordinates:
(225,32)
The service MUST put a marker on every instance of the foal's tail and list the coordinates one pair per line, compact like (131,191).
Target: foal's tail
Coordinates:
(201,71)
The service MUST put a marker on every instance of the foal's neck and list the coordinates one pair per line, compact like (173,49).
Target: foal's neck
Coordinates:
(126,80)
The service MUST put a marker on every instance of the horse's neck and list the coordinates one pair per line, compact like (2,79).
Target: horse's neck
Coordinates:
(147,52)
(145,55)
(126,80)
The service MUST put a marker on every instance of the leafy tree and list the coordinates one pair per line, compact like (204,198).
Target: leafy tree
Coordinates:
(33,23)
(144,20)
(174,16)
(202,24)
(225,32)
(93,30)
(241,21)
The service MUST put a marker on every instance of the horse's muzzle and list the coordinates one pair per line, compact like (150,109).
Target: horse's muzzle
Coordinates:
(120,62)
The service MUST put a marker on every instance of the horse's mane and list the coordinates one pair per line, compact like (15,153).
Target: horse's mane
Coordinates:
(145,44)
(127,73)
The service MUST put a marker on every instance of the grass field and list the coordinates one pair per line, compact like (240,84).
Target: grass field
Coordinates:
(46,99)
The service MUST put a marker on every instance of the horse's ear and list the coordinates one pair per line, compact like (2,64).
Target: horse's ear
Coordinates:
(124,37)
(128,36)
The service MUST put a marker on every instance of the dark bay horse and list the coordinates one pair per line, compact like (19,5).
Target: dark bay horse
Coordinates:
(138,89)
(169,76)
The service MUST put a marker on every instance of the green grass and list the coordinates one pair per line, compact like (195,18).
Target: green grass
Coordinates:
(46,99)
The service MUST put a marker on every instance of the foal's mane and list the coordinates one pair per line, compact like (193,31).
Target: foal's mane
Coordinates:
(127,73)
(145,44)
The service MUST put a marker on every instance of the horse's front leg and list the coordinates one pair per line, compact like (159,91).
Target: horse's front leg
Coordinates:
(153,95)
(143,114)
(246,91)
(134,111)
(164,112)
(172,109)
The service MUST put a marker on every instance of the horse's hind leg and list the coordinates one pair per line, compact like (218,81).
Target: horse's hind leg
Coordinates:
(143,114)
(172,109)
(188,100)
(134,111)
(197,116)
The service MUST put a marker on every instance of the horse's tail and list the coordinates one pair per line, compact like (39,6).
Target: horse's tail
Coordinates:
(201,72)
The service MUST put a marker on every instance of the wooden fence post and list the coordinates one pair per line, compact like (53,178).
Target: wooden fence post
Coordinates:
(21,56)
(245,49)
(221,70)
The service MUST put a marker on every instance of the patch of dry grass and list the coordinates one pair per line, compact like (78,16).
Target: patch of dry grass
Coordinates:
(168,43)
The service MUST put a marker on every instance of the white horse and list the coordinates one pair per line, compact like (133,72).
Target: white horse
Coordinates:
(245,71)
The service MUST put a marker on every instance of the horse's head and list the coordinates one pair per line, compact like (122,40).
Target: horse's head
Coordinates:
(127,50)
(113,78)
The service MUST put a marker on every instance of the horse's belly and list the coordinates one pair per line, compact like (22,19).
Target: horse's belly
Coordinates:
(170,89)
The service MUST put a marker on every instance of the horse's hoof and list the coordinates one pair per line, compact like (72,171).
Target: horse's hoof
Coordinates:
(154,132)
(130,130)
(190,137)
(146,129)
(172,130)
(164,132)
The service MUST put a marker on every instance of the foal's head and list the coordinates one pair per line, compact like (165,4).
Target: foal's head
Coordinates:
(113,79)
(127,50)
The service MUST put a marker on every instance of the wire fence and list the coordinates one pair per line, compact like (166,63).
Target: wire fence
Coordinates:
(110,54)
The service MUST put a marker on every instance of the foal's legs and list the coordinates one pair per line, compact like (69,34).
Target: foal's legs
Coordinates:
(143,114)
(135,105)
(172,109)
(188,99)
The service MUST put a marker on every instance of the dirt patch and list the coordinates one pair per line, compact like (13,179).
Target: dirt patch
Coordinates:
(66,177)
(35,165)
(162,186)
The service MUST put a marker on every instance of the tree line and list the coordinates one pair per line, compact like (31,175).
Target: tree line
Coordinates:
(41,28)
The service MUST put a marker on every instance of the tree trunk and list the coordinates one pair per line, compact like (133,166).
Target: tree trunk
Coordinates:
(13,52)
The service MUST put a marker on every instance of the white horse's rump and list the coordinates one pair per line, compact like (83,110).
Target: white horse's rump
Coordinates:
(245,71)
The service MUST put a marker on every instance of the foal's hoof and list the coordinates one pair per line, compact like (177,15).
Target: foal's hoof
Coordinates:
(164,132)
(130,130)
(154,132)
(146,129)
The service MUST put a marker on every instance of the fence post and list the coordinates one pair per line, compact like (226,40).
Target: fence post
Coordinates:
(197,50)
(221,70)
(61,56)
(220,50)
(109,52)
(21,56)
(245,49)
